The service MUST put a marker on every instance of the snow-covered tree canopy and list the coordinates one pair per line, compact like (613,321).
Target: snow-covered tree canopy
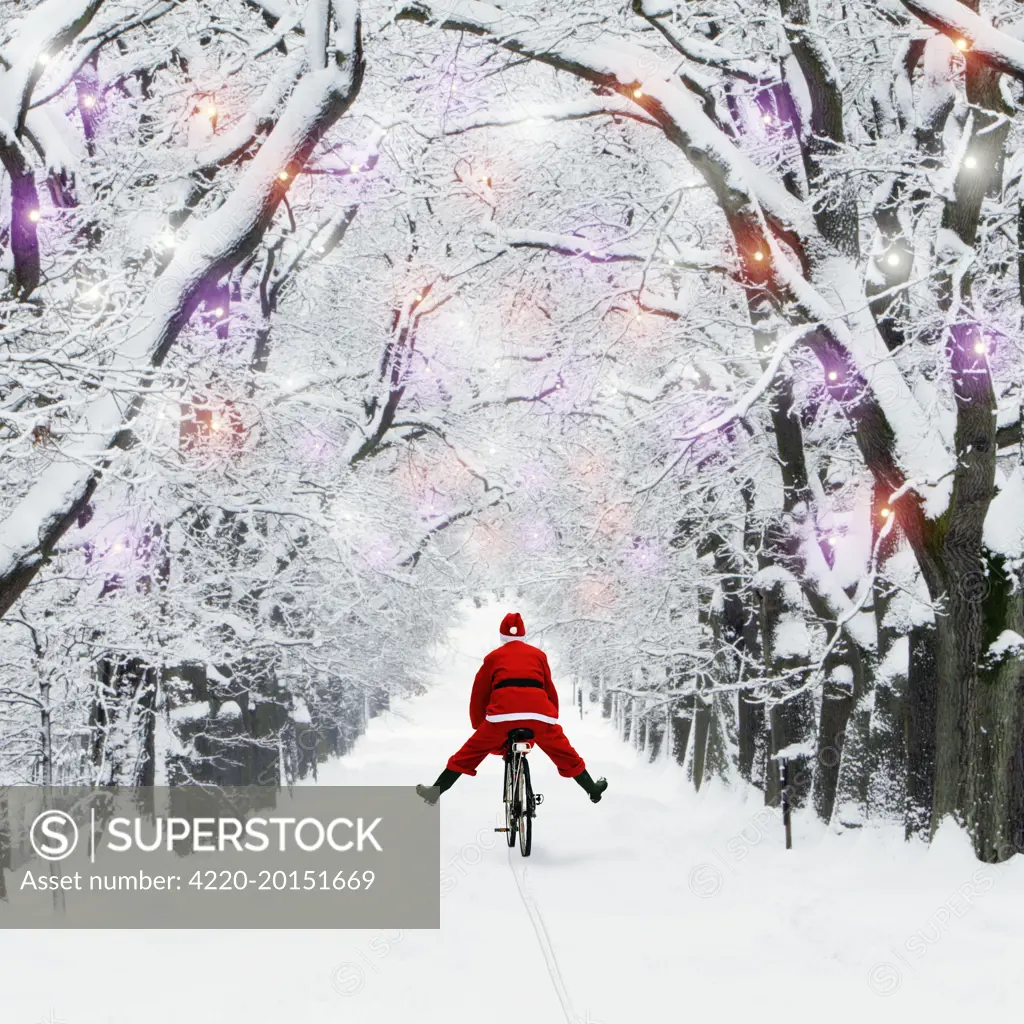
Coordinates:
(698,324)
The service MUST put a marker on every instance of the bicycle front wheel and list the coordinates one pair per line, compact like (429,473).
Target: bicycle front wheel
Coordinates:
(524,809)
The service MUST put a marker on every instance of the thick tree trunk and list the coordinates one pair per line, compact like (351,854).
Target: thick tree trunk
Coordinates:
(682,723)
(701,729)
(123,723)
(844,690)
(790,718)
(980,714)
(920,729)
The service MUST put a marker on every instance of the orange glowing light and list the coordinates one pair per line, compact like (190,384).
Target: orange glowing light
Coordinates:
(962,44)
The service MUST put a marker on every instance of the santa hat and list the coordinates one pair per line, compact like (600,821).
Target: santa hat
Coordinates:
(512,627)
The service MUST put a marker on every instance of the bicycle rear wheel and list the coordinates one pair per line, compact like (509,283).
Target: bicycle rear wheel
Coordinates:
(524,809)
(510,816)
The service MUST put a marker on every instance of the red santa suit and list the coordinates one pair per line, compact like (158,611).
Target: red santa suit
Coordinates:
(512,690)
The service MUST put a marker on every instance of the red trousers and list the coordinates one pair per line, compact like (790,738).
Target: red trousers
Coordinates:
(490,739)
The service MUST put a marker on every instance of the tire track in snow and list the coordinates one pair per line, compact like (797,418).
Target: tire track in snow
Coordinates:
(545,942)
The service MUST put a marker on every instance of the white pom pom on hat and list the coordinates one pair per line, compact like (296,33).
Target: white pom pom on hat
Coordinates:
(512,626)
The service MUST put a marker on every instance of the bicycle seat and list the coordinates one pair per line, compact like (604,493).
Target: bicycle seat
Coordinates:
(519,735)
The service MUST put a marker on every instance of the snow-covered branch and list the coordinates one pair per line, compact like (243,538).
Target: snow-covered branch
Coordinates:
(595,252)
(743,189)
(975,34)
(215,245)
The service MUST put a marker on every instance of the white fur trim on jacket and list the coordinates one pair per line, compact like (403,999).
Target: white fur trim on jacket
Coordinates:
(515,717)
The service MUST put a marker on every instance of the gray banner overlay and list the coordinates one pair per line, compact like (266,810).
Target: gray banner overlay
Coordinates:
(244,857)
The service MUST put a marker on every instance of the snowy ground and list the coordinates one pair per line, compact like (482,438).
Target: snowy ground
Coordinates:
(656,905)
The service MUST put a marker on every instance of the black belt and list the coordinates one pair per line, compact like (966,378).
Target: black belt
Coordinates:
(518,682)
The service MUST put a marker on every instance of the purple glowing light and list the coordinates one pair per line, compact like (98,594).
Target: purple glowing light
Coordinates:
(537,536)
(316,447)
(379,551)
(645,557)
(432,507)
(534,477)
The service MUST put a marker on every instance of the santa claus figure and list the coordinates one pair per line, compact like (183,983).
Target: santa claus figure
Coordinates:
(514,690)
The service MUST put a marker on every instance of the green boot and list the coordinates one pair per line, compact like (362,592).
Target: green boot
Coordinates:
(444,781)
(594,789)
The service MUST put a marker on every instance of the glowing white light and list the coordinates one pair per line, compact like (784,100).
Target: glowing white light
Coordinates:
(355,168)
(893,259)
(283,175)
(833,540)
(218,311)
(44,58)
(884,513)
(962,44)
(970,162)
(767,118)
(980,347)
(35,216)
(290,382)
(89,101)
(832,375)
(211,111)
(638,93)
(759,256)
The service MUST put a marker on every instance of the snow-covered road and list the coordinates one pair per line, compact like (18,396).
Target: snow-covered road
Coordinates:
(656,905)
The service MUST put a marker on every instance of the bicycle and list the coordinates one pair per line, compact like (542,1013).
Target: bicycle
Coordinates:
(520,800)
